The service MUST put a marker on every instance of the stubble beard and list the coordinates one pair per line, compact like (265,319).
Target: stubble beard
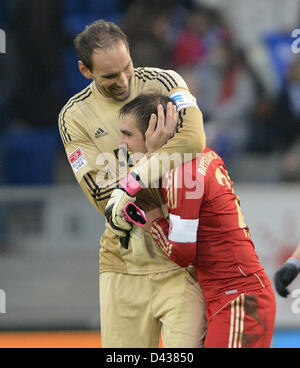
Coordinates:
(110,93)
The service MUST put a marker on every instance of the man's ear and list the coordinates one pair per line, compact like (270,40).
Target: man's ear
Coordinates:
(84,70)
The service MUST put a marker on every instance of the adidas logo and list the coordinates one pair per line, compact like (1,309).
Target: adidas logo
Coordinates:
(100,133)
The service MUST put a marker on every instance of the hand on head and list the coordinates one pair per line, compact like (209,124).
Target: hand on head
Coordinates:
(161,127)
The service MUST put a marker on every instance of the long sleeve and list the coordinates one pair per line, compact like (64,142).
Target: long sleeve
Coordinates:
(97,196)
(87,160)
(178,237)
(182,254)
(188,141)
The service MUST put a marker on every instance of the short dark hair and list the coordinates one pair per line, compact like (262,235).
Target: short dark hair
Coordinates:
(98,35)
(143,106)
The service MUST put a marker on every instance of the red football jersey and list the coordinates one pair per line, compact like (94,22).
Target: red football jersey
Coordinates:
(207,228)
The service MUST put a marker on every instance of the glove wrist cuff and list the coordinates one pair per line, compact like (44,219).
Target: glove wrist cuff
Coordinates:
(131,184)
(294,261)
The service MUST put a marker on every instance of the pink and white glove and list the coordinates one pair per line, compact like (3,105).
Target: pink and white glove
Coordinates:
(120,197)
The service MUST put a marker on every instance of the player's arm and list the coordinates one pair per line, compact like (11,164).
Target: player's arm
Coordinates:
(188,141)
(97,195)
(177,250)
(177,238)
(83,157)
(189,138)
(287,273)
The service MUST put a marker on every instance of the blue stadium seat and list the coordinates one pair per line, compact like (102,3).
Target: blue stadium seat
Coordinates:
(28,156)
(78,14)
(278,45)
(74,81)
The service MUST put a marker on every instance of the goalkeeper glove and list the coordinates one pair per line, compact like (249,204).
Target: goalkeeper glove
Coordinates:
(117,231)
(133,214)
(113,211)
(129,186)
(135,240)
(285,275)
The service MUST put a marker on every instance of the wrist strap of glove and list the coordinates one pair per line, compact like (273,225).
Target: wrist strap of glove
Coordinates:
(132,184)
(294,261)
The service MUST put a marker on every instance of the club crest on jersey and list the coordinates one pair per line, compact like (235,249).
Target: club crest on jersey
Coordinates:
(100,133)
(77,160)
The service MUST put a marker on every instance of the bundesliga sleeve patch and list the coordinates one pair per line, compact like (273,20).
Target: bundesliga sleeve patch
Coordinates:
(77,160)
(181,100)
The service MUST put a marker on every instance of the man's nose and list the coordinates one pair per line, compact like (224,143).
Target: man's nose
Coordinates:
(123,80)
(122,141)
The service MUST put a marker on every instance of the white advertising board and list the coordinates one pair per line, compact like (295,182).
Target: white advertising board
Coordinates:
(273,214)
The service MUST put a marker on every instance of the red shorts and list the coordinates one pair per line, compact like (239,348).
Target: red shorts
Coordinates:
(247,321)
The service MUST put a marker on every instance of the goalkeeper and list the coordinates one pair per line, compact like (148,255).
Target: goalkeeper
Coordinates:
(142,293)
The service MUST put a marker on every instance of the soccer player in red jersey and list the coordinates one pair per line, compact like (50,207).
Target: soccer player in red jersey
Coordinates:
(206,228)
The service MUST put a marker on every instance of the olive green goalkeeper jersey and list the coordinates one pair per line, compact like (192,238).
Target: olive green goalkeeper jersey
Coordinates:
(89,129)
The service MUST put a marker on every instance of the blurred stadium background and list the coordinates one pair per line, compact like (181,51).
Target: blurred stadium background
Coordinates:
(238,60)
